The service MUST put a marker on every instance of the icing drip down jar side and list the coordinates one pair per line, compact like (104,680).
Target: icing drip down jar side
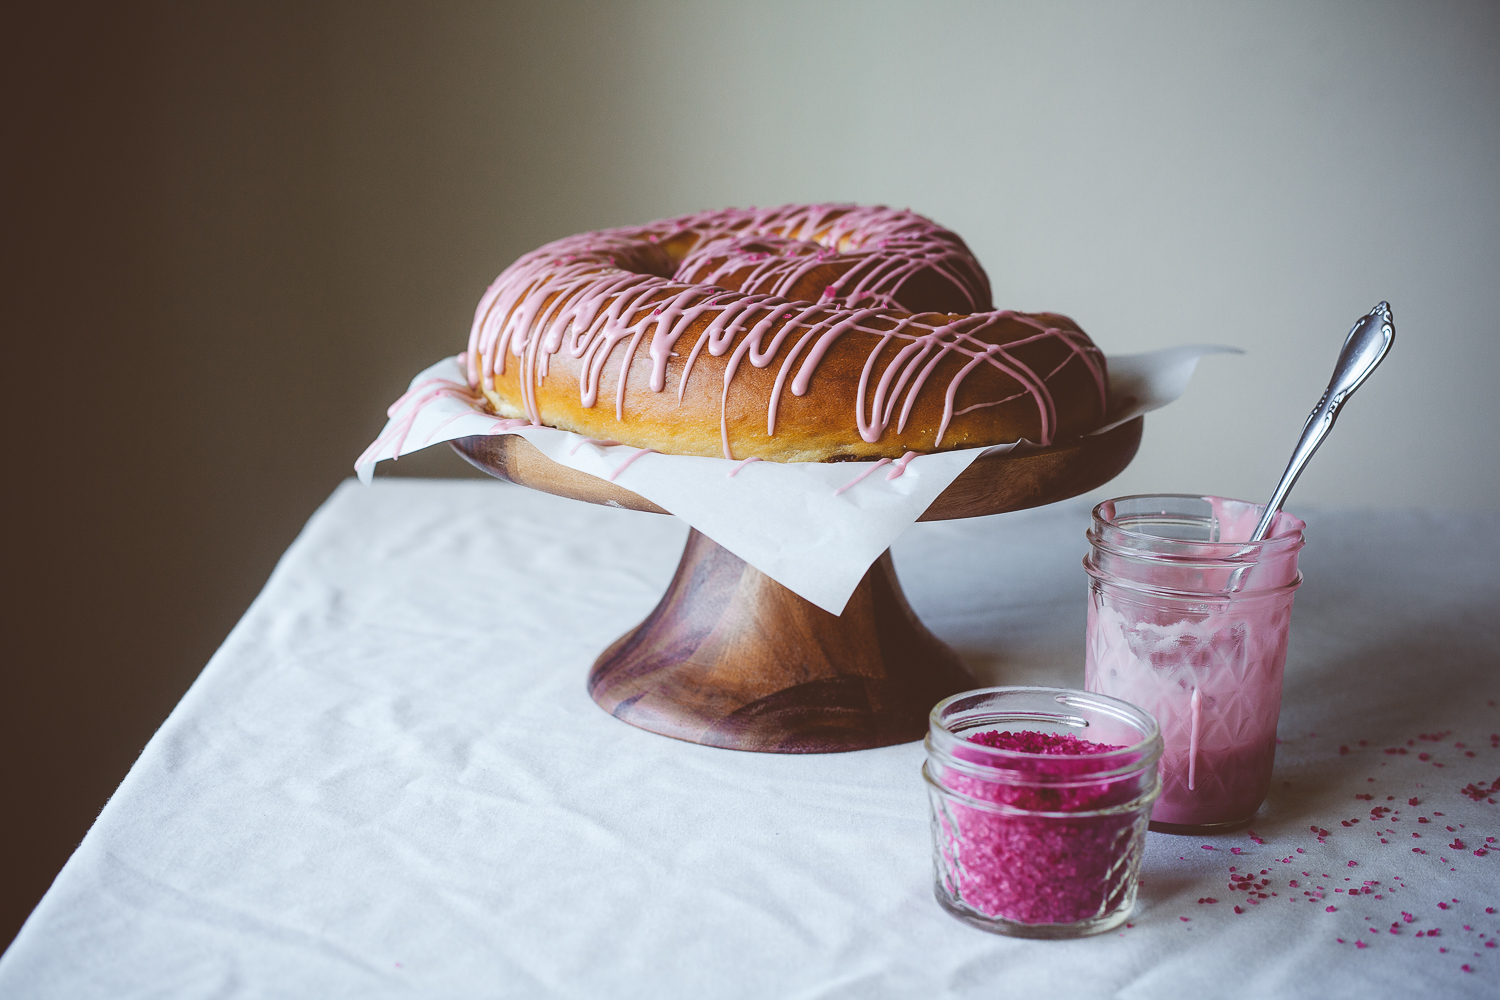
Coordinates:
(1040,800)
(1188,619)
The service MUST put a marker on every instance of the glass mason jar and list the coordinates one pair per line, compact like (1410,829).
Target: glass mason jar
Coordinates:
(1040,844)
(1189,620)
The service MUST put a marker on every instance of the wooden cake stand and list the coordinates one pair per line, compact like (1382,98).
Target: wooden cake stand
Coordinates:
(730,658)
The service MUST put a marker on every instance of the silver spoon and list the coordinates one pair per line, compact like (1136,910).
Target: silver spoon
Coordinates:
(1364,348)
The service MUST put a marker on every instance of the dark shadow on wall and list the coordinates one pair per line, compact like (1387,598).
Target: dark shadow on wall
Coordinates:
(232,236)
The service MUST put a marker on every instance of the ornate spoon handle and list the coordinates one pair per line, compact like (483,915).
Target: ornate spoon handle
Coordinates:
(1364,348)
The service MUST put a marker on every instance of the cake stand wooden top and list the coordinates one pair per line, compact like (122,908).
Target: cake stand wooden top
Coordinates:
(1016,480)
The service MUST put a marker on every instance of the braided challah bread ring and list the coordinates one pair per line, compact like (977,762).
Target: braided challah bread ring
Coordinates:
(805,333)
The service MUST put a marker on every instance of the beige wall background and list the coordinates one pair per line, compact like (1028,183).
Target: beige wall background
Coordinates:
(234,233)
(1256,175)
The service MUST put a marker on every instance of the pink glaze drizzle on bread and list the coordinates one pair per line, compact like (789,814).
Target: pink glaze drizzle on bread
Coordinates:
(877,321)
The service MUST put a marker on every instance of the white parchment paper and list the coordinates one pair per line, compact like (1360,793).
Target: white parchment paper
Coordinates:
(788,520)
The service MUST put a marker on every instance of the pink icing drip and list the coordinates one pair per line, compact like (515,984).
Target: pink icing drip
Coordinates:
(631,461)
(413,401)
(589,293)
(861,477)
(594,441)
(898,468)
(438,429)
(1193,739)
(420,393)
(734,471)
(992,402)
(497,425)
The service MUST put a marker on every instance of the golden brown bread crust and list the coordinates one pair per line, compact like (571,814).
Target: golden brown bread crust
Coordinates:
(846,333)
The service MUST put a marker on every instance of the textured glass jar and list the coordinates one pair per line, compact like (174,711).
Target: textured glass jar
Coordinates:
(1189,621)
(1034,845)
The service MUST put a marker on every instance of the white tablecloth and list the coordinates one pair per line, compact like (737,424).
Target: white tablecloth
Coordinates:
(390,781)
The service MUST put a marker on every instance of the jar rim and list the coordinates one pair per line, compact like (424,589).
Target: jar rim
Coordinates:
(1142,801)
(1286,537)
(1240,596)
(1020,767)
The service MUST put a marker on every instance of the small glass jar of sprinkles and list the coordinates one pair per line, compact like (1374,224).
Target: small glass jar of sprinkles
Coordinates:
(1040,800)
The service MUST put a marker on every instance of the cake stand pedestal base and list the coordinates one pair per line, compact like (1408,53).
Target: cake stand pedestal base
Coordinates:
(731,658)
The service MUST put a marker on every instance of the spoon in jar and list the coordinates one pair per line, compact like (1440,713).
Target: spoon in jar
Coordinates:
(1364,349)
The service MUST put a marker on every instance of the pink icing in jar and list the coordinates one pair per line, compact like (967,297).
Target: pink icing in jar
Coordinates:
(1040,799)
(1189,620)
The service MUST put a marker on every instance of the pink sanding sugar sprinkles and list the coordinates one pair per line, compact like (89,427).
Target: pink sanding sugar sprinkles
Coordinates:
(1405,868)
(1040,799)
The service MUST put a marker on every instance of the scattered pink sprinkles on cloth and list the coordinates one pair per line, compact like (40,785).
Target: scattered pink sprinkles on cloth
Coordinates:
(1254,888)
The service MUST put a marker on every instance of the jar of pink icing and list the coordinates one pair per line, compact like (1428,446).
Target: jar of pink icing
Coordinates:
(1040,799)
(1189,620)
